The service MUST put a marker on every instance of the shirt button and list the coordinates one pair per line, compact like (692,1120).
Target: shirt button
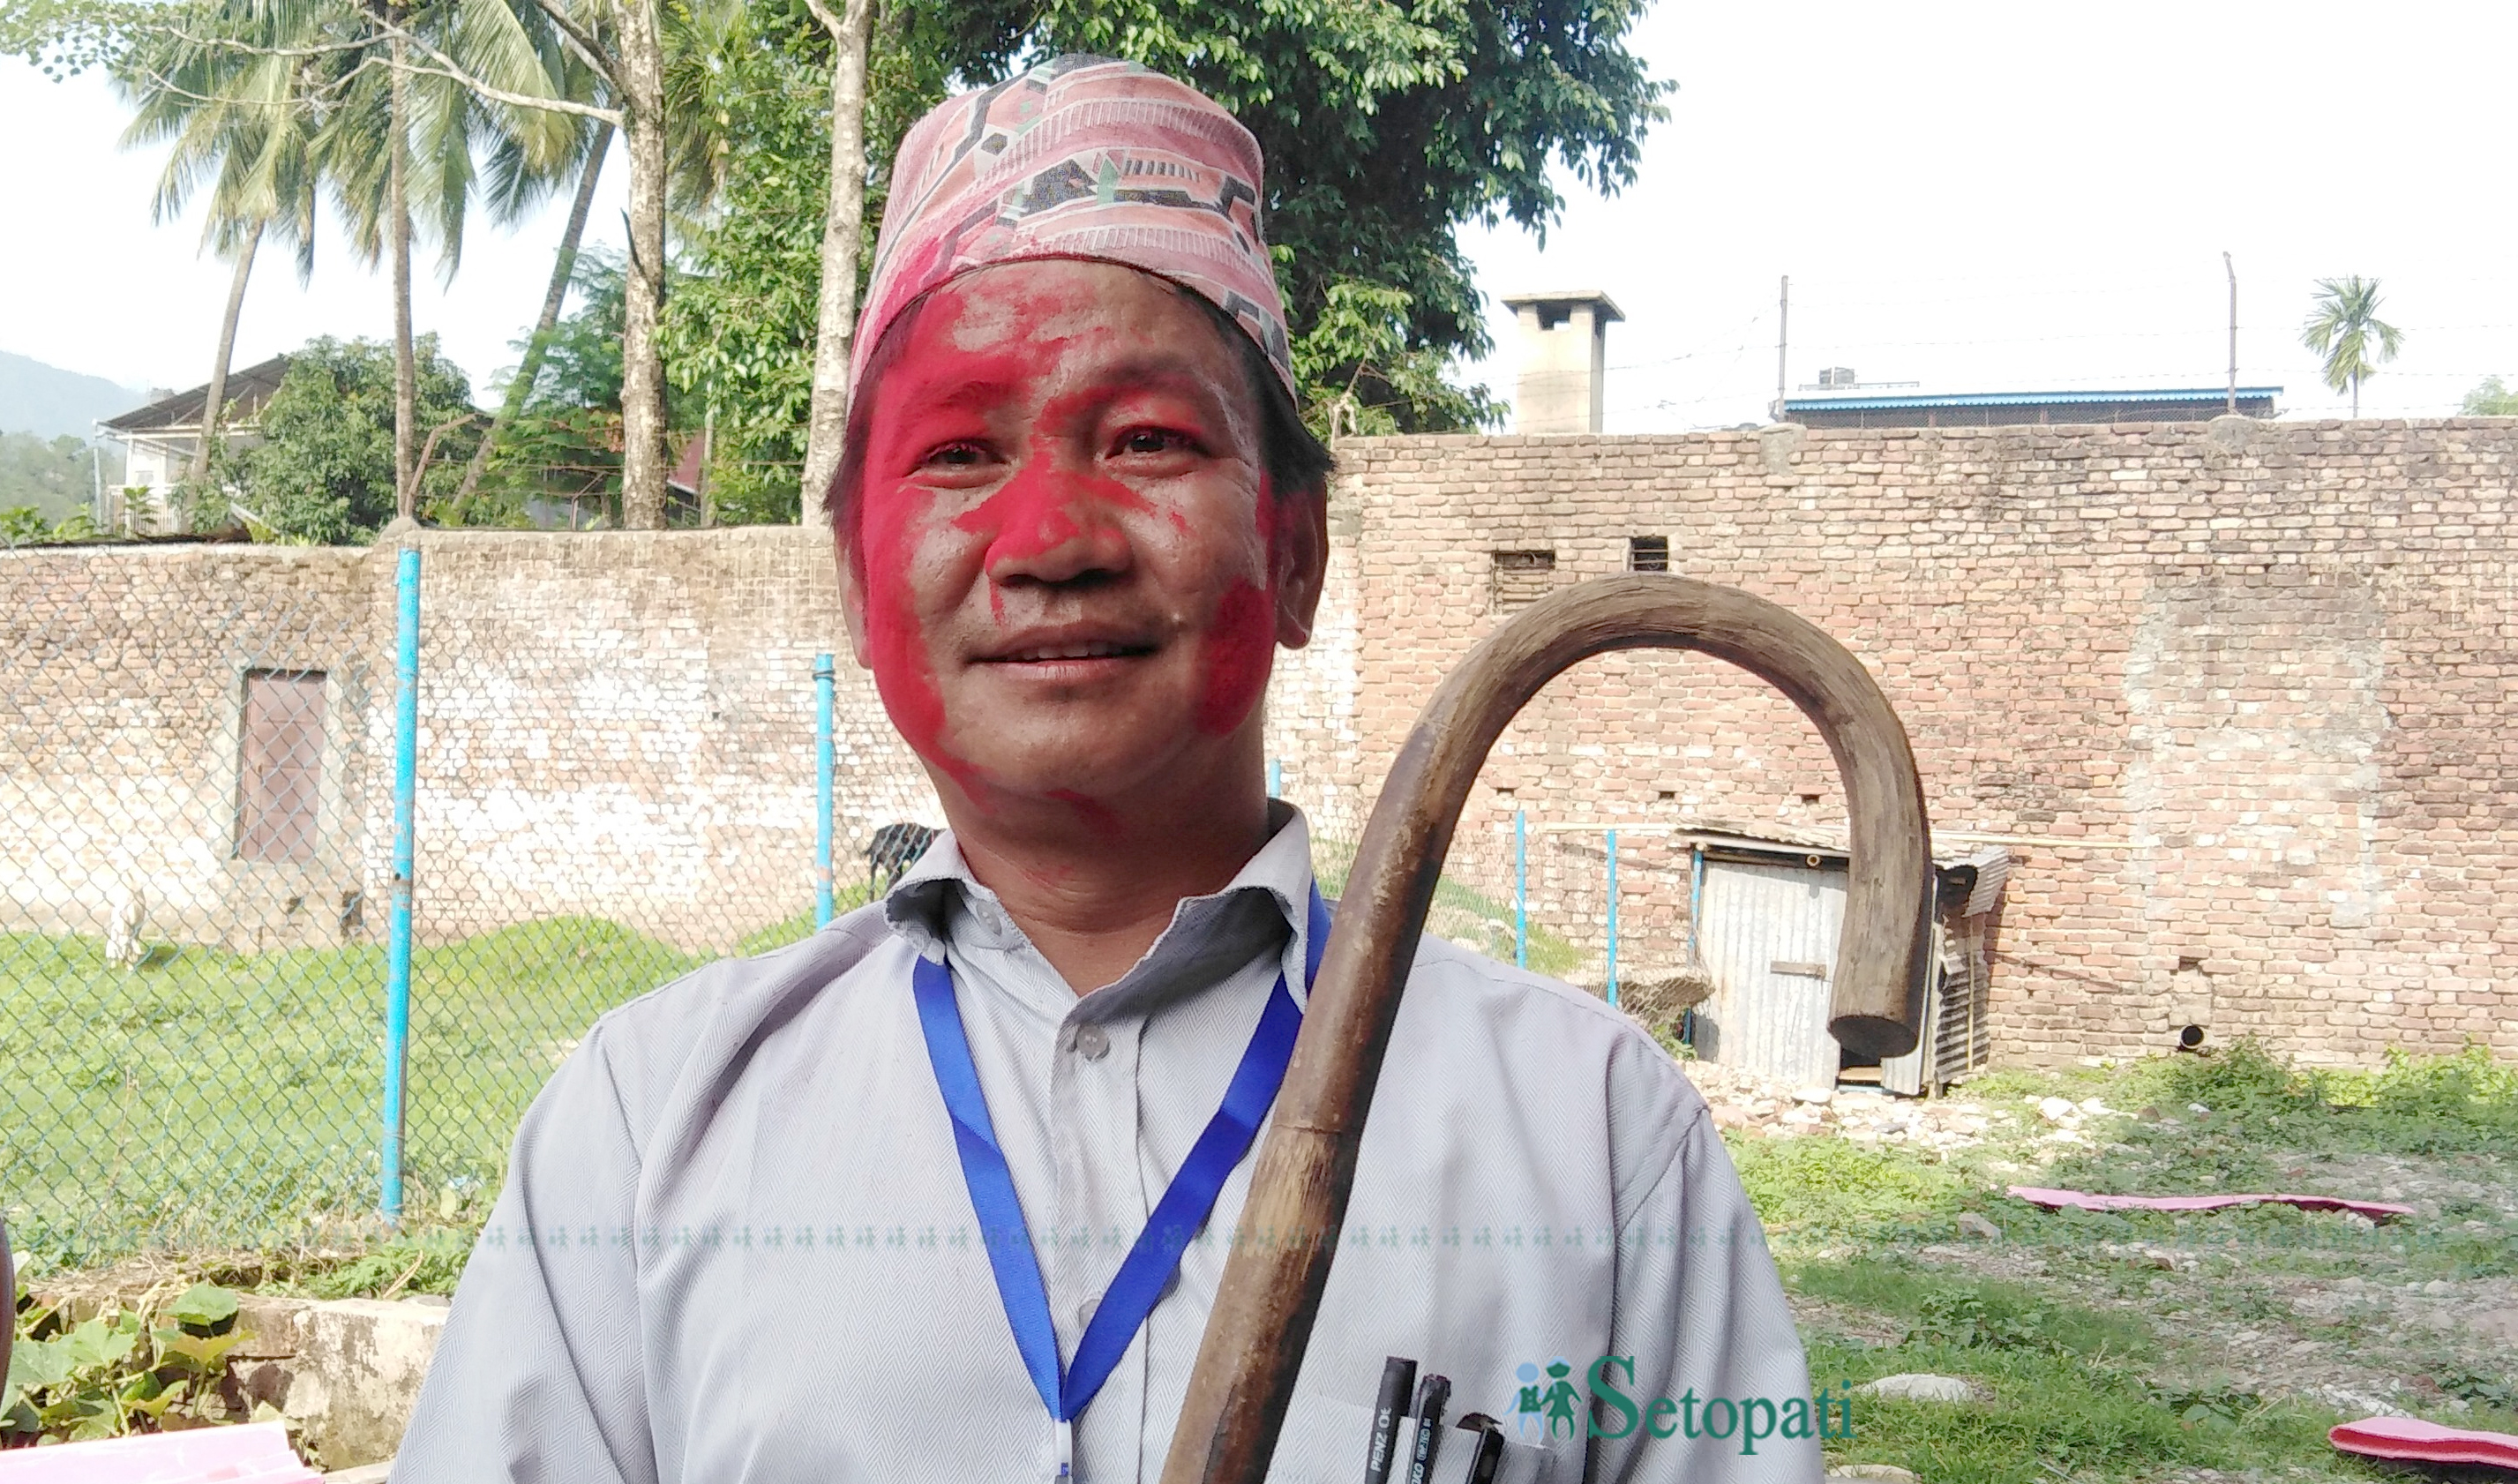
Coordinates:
(1093,1042)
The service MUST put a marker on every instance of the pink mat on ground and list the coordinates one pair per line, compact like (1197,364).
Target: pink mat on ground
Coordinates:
(2375,1210)
(2410,1438)
(258,1453)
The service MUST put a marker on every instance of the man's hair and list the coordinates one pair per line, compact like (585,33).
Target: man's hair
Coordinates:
(1298,464)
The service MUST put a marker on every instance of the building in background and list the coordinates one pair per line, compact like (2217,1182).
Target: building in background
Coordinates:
(161,439)
(1564,359)
(1839,400)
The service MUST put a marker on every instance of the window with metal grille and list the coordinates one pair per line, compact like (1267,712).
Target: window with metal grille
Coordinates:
(1523,577)
(280,764)
(1647,553)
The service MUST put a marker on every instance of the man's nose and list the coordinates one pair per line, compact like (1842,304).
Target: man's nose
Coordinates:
(1056,523)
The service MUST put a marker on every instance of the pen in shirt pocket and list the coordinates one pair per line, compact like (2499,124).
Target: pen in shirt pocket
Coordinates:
(1487,1436)
(1398,1377)
(1431,1394)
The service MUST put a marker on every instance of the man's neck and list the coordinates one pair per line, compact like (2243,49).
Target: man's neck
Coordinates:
(1094,900)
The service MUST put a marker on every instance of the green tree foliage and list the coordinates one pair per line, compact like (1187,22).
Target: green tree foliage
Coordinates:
(2491,400)
(739,333)
(1385,127)
(325,472)
(2344,329)
(54,477)
(564,440)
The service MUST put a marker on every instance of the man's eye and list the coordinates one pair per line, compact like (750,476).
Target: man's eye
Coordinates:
(956,454)
(1152,440)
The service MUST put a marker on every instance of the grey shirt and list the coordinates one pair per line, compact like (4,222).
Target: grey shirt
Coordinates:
(735,1242)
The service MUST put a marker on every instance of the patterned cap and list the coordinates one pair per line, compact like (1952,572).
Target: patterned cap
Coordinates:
(1081,158)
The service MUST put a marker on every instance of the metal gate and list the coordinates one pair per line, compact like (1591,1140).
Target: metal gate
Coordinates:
(1768,935)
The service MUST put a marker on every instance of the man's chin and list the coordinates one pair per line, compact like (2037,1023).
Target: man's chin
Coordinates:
(1099,770)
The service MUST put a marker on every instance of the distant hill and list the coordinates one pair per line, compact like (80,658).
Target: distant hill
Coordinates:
(47,401)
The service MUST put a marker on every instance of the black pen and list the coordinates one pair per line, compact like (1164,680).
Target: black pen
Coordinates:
(1430,1397)
(1398,1378)
(1490,1454)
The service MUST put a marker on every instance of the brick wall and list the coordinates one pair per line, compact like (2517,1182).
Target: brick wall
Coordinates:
(611,726)
(621,725)
(121,682)
(2258,675)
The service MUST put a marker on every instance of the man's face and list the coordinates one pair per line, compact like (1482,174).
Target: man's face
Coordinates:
(1074,573)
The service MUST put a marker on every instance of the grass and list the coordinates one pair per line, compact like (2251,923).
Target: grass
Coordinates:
(2117,1346)
(1817,1186)
(227,1091)
(1461,913)
(2051,1413)
(222,1099)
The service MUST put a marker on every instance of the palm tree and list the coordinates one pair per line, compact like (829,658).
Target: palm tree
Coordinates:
(836,321)
(2343,327)
(389,103)
(406,148)
(241,106)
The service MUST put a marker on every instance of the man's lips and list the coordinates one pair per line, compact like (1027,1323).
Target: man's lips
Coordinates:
(1067,647)
(1042,654)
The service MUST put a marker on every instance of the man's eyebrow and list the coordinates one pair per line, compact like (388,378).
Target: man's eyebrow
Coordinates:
(1165,370)
(1157,369)
(959,395)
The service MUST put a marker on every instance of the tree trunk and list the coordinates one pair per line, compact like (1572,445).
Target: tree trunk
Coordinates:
(563,270)
(215,404)
(398,228)
(643,361)
(843,227)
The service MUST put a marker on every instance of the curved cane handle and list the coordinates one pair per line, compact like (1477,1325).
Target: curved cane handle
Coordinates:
(1262,1321)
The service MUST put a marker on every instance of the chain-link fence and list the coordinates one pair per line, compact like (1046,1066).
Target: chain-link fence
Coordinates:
(216,767)
(205,980)
(188,965)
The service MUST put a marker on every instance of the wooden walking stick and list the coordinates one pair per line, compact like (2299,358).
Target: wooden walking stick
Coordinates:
(1262,1321)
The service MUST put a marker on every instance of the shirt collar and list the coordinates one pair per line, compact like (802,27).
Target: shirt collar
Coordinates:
(1267,904)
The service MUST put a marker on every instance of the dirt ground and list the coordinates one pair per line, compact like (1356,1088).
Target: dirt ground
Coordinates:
(2246,1310)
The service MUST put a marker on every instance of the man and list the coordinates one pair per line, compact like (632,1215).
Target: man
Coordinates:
(871,1208)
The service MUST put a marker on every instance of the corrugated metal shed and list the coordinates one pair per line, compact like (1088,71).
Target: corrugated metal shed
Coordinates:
(1769,916)
(1769,935)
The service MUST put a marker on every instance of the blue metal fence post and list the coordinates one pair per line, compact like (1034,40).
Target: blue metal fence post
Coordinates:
(1275,778)
(1520,888)
(1613,917)
(825,904)
(398,942)
(1695,915)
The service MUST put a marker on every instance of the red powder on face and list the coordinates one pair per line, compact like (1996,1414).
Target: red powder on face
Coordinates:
(1097,815)
(1240,644)
(1034,513)
(895,642)
(1047,503)
(1241,641)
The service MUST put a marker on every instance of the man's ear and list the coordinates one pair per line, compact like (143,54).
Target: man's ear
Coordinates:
(1302,557)
(852,598)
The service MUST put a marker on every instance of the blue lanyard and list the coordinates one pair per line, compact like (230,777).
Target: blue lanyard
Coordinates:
(1177,1217)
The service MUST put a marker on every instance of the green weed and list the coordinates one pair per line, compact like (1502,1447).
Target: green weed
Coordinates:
(121,1371)
(1831,1185)
(1950,1310)
(2053,1416)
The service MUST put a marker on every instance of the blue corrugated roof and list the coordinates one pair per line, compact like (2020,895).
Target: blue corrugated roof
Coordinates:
(2025,399)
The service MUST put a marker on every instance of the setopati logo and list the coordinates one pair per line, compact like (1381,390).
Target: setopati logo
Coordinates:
(1551,1406)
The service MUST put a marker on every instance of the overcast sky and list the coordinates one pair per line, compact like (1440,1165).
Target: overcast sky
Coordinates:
(1971,196)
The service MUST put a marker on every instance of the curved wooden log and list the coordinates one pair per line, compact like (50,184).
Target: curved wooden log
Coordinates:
(1262,1321)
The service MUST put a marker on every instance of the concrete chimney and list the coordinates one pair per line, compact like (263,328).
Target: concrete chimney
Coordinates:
(1564,359)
